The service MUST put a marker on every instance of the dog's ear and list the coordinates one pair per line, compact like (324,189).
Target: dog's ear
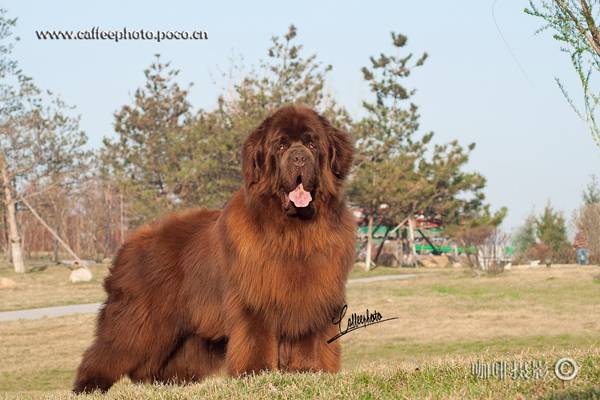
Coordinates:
(252,160)
(341,150)
(253,157)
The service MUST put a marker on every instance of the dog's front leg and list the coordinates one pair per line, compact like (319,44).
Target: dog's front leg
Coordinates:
(252,345)
(310,353)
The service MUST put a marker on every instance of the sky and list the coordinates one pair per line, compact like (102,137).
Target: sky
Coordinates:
(488,81)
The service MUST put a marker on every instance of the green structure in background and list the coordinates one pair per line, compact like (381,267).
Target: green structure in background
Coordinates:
(379,234)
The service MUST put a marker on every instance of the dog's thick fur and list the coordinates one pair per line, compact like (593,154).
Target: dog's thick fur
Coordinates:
(252,287)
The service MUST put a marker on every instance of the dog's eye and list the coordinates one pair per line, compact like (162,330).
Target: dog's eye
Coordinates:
(311,145)
(281,146)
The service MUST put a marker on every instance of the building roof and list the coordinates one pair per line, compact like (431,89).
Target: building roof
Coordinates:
(580,241)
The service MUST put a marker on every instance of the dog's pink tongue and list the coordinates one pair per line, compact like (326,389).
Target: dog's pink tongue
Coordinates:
(300,197)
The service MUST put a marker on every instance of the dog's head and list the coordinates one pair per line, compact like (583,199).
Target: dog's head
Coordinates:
(297,158)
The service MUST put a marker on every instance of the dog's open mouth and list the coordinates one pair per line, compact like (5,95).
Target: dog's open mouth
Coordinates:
(300,197)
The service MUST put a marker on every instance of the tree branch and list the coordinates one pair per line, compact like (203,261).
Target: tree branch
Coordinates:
(580,28)
(589,19)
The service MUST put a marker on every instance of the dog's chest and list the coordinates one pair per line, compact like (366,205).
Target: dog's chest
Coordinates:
(293,291)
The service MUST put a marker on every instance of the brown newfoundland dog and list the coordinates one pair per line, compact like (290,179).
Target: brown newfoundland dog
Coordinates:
(253,287)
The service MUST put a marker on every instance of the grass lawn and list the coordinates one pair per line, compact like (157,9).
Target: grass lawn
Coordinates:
(359,272)
(447,321)
(50,287)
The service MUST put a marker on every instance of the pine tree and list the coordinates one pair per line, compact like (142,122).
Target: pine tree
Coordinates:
(394,176)
(152,158)
(551,228)
(525,237)
(389,146)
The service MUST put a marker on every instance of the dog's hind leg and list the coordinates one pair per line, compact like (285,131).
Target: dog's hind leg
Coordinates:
(194,359)
(127,338)
(101,367)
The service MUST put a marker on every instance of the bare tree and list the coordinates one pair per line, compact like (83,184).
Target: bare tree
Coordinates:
(16,97)
(492,251)
(41,145)
(587,221)
(587,218)
(575,27)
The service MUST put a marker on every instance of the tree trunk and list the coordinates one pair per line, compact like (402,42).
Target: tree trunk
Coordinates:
(15,240)
(55,252)
(122,223)
(380,247)
(108,225)
(369,243)
(8,255)
(16,251)
(412,248)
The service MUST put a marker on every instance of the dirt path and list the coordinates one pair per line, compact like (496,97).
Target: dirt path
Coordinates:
(383,278)
(59,311)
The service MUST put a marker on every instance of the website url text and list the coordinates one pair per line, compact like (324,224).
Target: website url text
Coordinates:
(120,35)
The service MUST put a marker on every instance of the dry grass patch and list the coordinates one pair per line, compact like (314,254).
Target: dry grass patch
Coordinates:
(50,287)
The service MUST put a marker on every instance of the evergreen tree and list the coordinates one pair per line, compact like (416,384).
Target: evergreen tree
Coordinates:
(526,236)
(153,157)
(544,237)
(551,228)
(394,176)
(387,140)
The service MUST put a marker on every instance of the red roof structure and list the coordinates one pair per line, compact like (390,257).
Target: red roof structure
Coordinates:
(580,241)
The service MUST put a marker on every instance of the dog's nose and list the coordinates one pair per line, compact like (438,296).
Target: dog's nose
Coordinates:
(298,158)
